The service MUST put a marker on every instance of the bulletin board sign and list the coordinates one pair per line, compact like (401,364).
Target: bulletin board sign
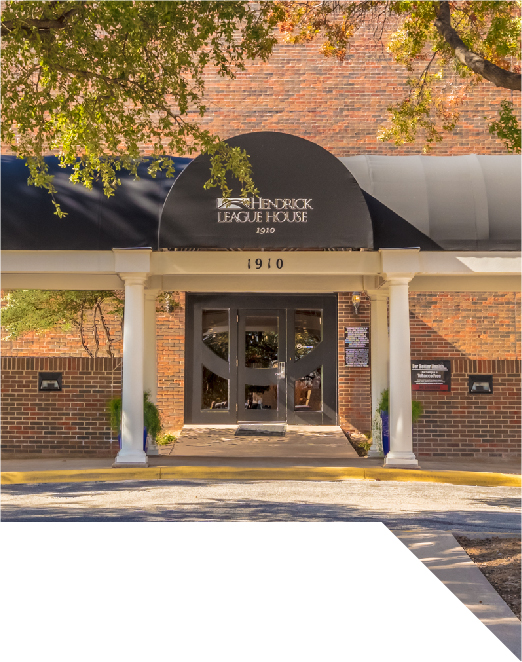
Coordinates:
(356,346)
(431,376)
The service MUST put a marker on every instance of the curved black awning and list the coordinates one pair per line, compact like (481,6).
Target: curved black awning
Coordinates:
(307,199)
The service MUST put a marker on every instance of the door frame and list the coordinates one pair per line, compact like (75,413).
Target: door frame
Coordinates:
(325,354)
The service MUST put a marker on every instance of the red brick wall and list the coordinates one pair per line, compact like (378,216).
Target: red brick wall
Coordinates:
(340,106)
(170,337)
(354,383)
(474,325)
(66,422)
(463,424)
(480,334)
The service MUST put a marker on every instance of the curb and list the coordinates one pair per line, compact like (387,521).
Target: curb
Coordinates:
(483,479)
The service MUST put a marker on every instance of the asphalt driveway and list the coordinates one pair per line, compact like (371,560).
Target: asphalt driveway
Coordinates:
(399,505)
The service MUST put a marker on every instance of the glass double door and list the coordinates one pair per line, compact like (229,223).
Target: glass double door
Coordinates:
(271,361)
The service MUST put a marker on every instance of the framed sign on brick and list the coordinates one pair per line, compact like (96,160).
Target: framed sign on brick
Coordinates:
(431,376)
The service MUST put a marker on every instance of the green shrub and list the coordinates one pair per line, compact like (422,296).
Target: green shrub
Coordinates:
(151,416)
(165,439)
(416,410)
(416,407)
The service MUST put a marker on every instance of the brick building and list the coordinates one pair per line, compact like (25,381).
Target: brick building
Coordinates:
(462,285)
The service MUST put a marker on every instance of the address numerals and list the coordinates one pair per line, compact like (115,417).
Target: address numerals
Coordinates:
(268,263)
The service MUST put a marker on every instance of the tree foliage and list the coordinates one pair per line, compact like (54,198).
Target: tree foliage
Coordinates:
(507,127)
(95,81)
(38,311)
(446,47)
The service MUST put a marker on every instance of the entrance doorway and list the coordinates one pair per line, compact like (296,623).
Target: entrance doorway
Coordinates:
(261,358)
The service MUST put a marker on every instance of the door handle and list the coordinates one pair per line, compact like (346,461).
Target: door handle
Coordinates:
(281,372)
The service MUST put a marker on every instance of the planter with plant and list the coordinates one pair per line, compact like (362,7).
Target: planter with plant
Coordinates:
(151,418)
(384,410)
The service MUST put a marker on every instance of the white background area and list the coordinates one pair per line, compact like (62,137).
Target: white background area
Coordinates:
(228,591)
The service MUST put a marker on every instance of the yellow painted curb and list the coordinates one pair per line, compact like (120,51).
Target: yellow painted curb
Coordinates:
(486,479)
(79,475)
(269,473)
(480,478)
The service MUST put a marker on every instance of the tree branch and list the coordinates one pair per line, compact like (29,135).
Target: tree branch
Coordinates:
(82,335)
(95,332)
(42,25)
(107,331)
(478,64)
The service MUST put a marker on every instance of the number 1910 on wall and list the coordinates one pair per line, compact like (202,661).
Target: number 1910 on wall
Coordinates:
(258,263)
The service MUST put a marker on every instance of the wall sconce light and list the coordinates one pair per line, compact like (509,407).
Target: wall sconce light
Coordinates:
(356,300)
(50,381)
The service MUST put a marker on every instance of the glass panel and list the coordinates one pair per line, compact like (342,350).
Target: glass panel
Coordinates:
(261,397)
(215,331)
(308,392)
(214,391)
(308,331)
(261,341)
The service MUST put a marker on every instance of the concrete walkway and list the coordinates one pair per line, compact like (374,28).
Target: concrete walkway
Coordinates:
(77,463)
(304,453)
(298,442)
(448,561)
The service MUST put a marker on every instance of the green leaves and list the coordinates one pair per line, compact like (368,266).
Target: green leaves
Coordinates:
(151,416)
(438,81)
(38,311)
(507,127)
(99,81)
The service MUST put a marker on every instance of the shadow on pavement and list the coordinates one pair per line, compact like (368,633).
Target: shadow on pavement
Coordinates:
(271,511)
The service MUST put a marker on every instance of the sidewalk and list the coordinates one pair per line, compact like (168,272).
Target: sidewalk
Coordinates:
(54,470)
(228,453)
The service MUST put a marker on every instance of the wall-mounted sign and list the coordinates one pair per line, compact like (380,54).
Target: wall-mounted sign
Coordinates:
(431,375)
(307,199)
(356,346)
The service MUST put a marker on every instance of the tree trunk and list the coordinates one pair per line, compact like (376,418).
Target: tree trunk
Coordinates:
(478,64)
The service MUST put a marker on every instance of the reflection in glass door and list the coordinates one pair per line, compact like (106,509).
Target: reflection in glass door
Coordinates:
(261,365)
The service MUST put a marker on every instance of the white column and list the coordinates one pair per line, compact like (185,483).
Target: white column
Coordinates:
(150,358)
(131,452)
(379,353)
(401,438)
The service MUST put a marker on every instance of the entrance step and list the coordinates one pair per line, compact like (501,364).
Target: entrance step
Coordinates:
(297,441)
(263,429)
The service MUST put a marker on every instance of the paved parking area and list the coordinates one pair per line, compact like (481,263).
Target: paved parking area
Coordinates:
(399,505)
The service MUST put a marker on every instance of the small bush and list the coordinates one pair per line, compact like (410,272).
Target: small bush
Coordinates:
(165,439)
(416,407)
(151,415)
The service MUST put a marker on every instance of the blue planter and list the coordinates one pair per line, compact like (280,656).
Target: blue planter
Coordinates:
(385,420)
(144,439)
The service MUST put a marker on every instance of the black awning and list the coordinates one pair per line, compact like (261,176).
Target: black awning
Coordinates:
(128,219)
